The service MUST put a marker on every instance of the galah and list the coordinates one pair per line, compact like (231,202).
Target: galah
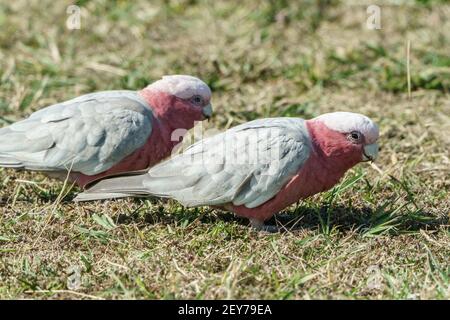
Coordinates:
(258,168)
(105,133)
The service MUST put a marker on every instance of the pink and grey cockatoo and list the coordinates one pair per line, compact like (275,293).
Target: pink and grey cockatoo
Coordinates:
(258,168)
(106,133)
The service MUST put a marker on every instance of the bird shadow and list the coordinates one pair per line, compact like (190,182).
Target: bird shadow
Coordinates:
(365,220)
(380,219)
(326,219)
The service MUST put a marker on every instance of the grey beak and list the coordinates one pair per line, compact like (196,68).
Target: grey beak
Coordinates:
(207,111)
(370,152)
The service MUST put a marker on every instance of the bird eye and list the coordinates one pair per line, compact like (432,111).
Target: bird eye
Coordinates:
(354,136)
(197,100)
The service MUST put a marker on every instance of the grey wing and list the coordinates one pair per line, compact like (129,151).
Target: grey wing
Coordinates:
(246,165)
(88,134)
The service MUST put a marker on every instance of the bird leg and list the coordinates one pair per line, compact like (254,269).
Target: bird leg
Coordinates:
(260,226)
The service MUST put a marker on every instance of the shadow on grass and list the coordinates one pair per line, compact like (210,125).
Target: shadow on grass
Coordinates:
(366,221)
(388,218)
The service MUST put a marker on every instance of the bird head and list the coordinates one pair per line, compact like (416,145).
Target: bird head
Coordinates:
(180,98)
(346,135)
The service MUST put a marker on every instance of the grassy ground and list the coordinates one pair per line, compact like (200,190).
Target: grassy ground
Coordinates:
(382,233)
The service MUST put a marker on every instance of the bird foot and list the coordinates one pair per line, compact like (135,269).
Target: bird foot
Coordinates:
(260,226)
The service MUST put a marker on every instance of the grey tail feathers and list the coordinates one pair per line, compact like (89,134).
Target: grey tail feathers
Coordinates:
(85,196)
(8,162)
(118,187)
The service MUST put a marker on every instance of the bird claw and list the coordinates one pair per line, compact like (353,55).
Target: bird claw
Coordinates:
(260,226)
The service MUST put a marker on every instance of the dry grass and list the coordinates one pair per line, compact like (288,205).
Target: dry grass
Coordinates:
(383,233)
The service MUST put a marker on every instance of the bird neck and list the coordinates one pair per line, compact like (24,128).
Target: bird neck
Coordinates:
(171,111)
(171,122)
